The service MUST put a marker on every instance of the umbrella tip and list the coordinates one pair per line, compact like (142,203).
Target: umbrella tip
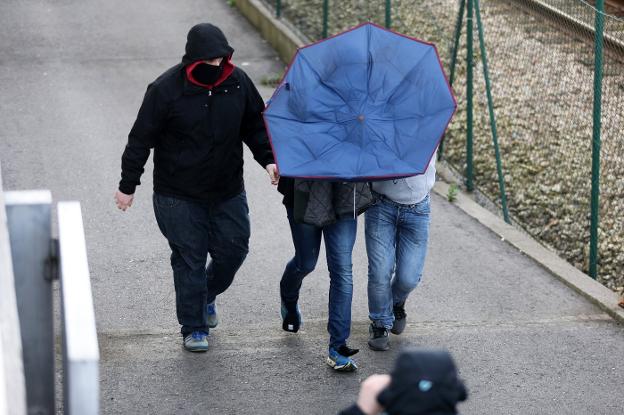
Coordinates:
(361,118)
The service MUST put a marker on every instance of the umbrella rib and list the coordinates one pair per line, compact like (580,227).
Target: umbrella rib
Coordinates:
(381,140)
(412,117)
(322,82)
(441,110)
(330,148)
(369,65)
(281,117)
(304,164)
(327,150)
(405,77)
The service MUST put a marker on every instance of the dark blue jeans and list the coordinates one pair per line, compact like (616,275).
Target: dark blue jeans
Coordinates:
(194,231)
(339,240)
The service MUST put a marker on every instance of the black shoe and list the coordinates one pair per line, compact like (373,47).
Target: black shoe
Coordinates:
(347,351)
(291,318)
(400,318)
(378,338)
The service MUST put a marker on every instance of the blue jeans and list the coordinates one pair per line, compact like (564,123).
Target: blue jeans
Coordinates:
(339,240)
(396,244)
(194,231)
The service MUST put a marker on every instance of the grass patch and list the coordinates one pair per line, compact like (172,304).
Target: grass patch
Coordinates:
(452,193)
(271,80)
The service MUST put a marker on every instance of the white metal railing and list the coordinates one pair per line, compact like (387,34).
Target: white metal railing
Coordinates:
(12,384)
(30,235)
(29,261)
(80,345)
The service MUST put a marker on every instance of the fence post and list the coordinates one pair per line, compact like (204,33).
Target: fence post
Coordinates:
(488,89)
(457,34)
(388,14)
(30,233)
(458,29)
(469,109)
(595,185)
(278,8)
(325,17)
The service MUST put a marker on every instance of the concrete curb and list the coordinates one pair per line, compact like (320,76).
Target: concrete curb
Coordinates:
(286,42)
(592,290)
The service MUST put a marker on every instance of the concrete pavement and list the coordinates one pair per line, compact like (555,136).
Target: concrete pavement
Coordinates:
(72,76)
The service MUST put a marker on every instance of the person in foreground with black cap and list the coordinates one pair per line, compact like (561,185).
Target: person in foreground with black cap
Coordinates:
(422,383)
(196,116)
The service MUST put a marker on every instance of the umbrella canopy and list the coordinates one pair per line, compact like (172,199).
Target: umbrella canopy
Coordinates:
(368,103)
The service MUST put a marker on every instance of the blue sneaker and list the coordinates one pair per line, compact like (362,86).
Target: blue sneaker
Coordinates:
(210,315)
(339,362)
(291,318)
(197,341)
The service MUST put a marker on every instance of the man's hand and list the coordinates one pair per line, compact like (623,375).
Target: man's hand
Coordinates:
(123,200)
(273,173)
(370,389)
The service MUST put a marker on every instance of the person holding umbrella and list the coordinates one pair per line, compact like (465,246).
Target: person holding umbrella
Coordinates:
(328,210)
(196,117)
(365,105)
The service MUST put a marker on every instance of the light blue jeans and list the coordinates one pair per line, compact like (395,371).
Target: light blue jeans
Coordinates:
(396,244)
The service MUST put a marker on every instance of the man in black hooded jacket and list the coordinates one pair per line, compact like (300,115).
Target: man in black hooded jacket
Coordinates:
(196,117)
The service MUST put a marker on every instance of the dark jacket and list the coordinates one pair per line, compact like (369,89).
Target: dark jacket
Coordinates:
(286,187)
(197,133)
(352,410)
(321,203)
(424,382)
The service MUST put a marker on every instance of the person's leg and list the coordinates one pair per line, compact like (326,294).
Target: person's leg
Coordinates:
(339,240)
(412,240)
(228,243)
(381,230)
(381,227)
(185,226)
(307,242)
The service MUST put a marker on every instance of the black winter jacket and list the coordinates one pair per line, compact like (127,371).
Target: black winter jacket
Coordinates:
(197,133)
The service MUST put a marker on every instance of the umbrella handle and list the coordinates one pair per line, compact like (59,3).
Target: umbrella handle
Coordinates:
(354,188)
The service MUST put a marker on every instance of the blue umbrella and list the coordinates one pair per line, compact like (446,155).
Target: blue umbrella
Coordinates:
(366,104)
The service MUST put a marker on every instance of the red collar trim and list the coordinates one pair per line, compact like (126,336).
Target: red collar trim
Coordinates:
(228,68)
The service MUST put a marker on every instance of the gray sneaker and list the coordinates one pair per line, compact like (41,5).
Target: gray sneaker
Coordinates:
(197,341)
(400,318)
(210,314)
(378,338)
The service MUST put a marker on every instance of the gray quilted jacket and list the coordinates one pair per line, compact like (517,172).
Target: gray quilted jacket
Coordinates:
(321,203)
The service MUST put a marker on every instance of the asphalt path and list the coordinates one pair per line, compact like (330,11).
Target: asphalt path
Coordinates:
(72,77)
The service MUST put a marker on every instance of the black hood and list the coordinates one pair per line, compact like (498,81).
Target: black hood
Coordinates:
(424,382)
(205,41)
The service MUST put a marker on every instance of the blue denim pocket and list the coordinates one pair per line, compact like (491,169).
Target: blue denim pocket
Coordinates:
(423,207)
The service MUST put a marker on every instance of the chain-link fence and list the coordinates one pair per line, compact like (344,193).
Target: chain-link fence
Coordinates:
(611,229)
(541,64)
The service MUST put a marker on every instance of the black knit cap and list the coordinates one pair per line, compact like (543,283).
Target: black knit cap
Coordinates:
(205,41)
(424,382)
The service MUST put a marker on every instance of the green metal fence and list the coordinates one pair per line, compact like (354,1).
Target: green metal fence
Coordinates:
(547,94)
